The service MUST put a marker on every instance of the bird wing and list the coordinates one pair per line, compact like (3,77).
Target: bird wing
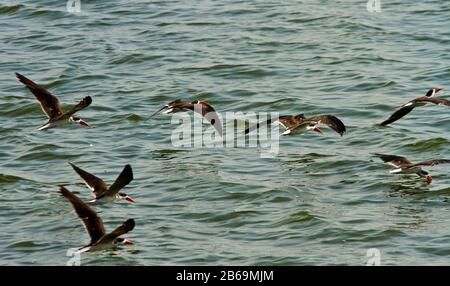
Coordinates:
(405,109)
(159,111)
(437,101)
(209,113)
(49,103)
(205,110)
(330,120)
(91,220)
(95,184)
(179,105)
(125,177)
(432,162)
(85,102)
(396,161)
(290,121)
(259,124)
(284,120)
(126,227)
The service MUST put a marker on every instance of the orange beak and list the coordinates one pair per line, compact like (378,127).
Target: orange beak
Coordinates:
(317,129)
(429,179)
(129,199)
(128,242)
(84,123)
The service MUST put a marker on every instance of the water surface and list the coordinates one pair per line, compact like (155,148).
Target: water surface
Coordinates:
(322,200)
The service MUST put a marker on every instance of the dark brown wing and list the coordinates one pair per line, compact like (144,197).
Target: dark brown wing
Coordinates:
(175,106)
(331,121)
(97,185)
(49,103)
(259,124)
(208,112)
(125,177)
(91,220)
(396,161)
(432,162)
(287,121)
(405,109)
(179,106)
(85,102)
(124,228)
(291,121)
(206,107)
(437,101)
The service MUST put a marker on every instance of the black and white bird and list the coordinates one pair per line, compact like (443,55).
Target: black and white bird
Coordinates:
(52,108)
(420,101)
(403,166)
(100,240)
(297,124)
(200,107)
(101,191)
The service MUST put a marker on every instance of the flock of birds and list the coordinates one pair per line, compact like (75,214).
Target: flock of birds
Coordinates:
(293,124)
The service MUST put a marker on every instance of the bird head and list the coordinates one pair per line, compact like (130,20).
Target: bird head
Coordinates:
(314,128)
(123,241)
(426,175)
(433,91)
(80,121)
(126,197)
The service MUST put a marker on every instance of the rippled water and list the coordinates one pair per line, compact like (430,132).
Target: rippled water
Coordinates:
(321,200)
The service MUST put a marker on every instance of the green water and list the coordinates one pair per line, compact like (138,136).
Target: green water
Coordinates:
(321,200)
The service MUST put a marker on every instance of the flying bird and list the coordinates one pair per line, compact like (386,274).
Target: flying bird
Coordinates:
(403,166)
(100,240)
(201,107)
(420,101)
(101,191)
(297,124)
(52,108)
